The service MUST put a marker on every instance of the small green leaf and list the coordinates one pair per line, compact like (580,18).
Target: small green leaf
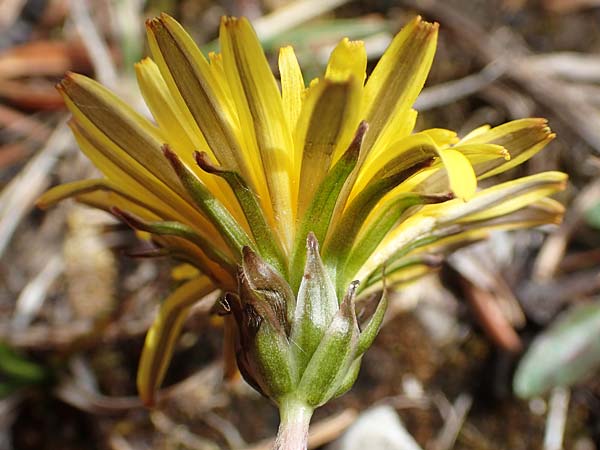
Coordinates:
(565,354)
(18,368)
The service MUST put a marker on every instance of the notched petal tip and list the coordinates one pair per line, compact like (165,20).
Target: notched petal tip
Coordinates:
(152,23)
(68,81)
(423,25)
(231,21)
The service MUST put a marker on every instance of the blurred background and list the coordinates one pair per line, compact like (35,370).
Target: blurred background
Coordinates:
(74,307)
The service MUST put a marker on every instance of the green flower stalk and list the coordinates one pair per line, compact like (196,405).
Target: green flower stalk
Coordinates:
(295,202)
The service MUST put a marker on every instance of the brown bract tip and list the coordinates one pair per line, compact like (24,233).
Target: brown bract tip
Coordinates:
(312,244)
(350,293)
(130,219)
(250,258)
(203,161)
(153,252)
(355,146)
(441,198)
(172,158)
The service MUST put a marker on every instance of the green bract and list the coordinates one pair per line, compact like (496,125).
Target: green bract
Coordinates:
(305,348)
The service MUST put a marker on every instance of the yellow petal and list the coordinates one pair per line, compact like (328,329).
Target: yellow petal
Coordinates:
(493,202)
(259,106)
(416,145)
(461,176)
(193,85)
(348,59)
(174,124)
(399,76)
(476,132)
(182,135)
(402,124)
(216,67)
(522,138)
(480,153)
(503,198)
(329,116)
(442,137)
(436,180)
(101,113)
(162,336)
(292,85)
(134,179)
(105,200)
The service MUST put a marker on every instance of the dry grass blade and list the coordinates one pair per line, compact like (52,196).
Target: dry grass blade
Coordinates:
(19,196)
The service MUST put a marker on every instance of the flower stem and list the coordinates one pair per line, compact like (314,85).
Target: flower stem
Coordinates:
(293,428)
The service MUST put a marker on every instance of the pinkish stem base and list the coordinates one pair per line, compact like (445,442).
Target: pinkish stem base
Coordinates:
(293,429)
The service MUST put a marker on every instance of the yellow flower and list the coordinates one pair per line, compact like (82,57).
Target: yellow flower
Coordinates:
(233,161)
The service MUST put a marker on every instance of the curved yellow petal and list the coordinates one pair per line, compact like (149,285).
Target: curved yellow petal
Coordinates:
(502,198)
(103,114)
(399,76)
(162,336)
(373,166)
(259,107)
(401,125)
(194,86)
(329,115)
(480,153)
(441,136)
(522,138)
(476,132)
(461,176)
(173,123)
(292,85)
(348,59)
(178,131)
(134,179)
